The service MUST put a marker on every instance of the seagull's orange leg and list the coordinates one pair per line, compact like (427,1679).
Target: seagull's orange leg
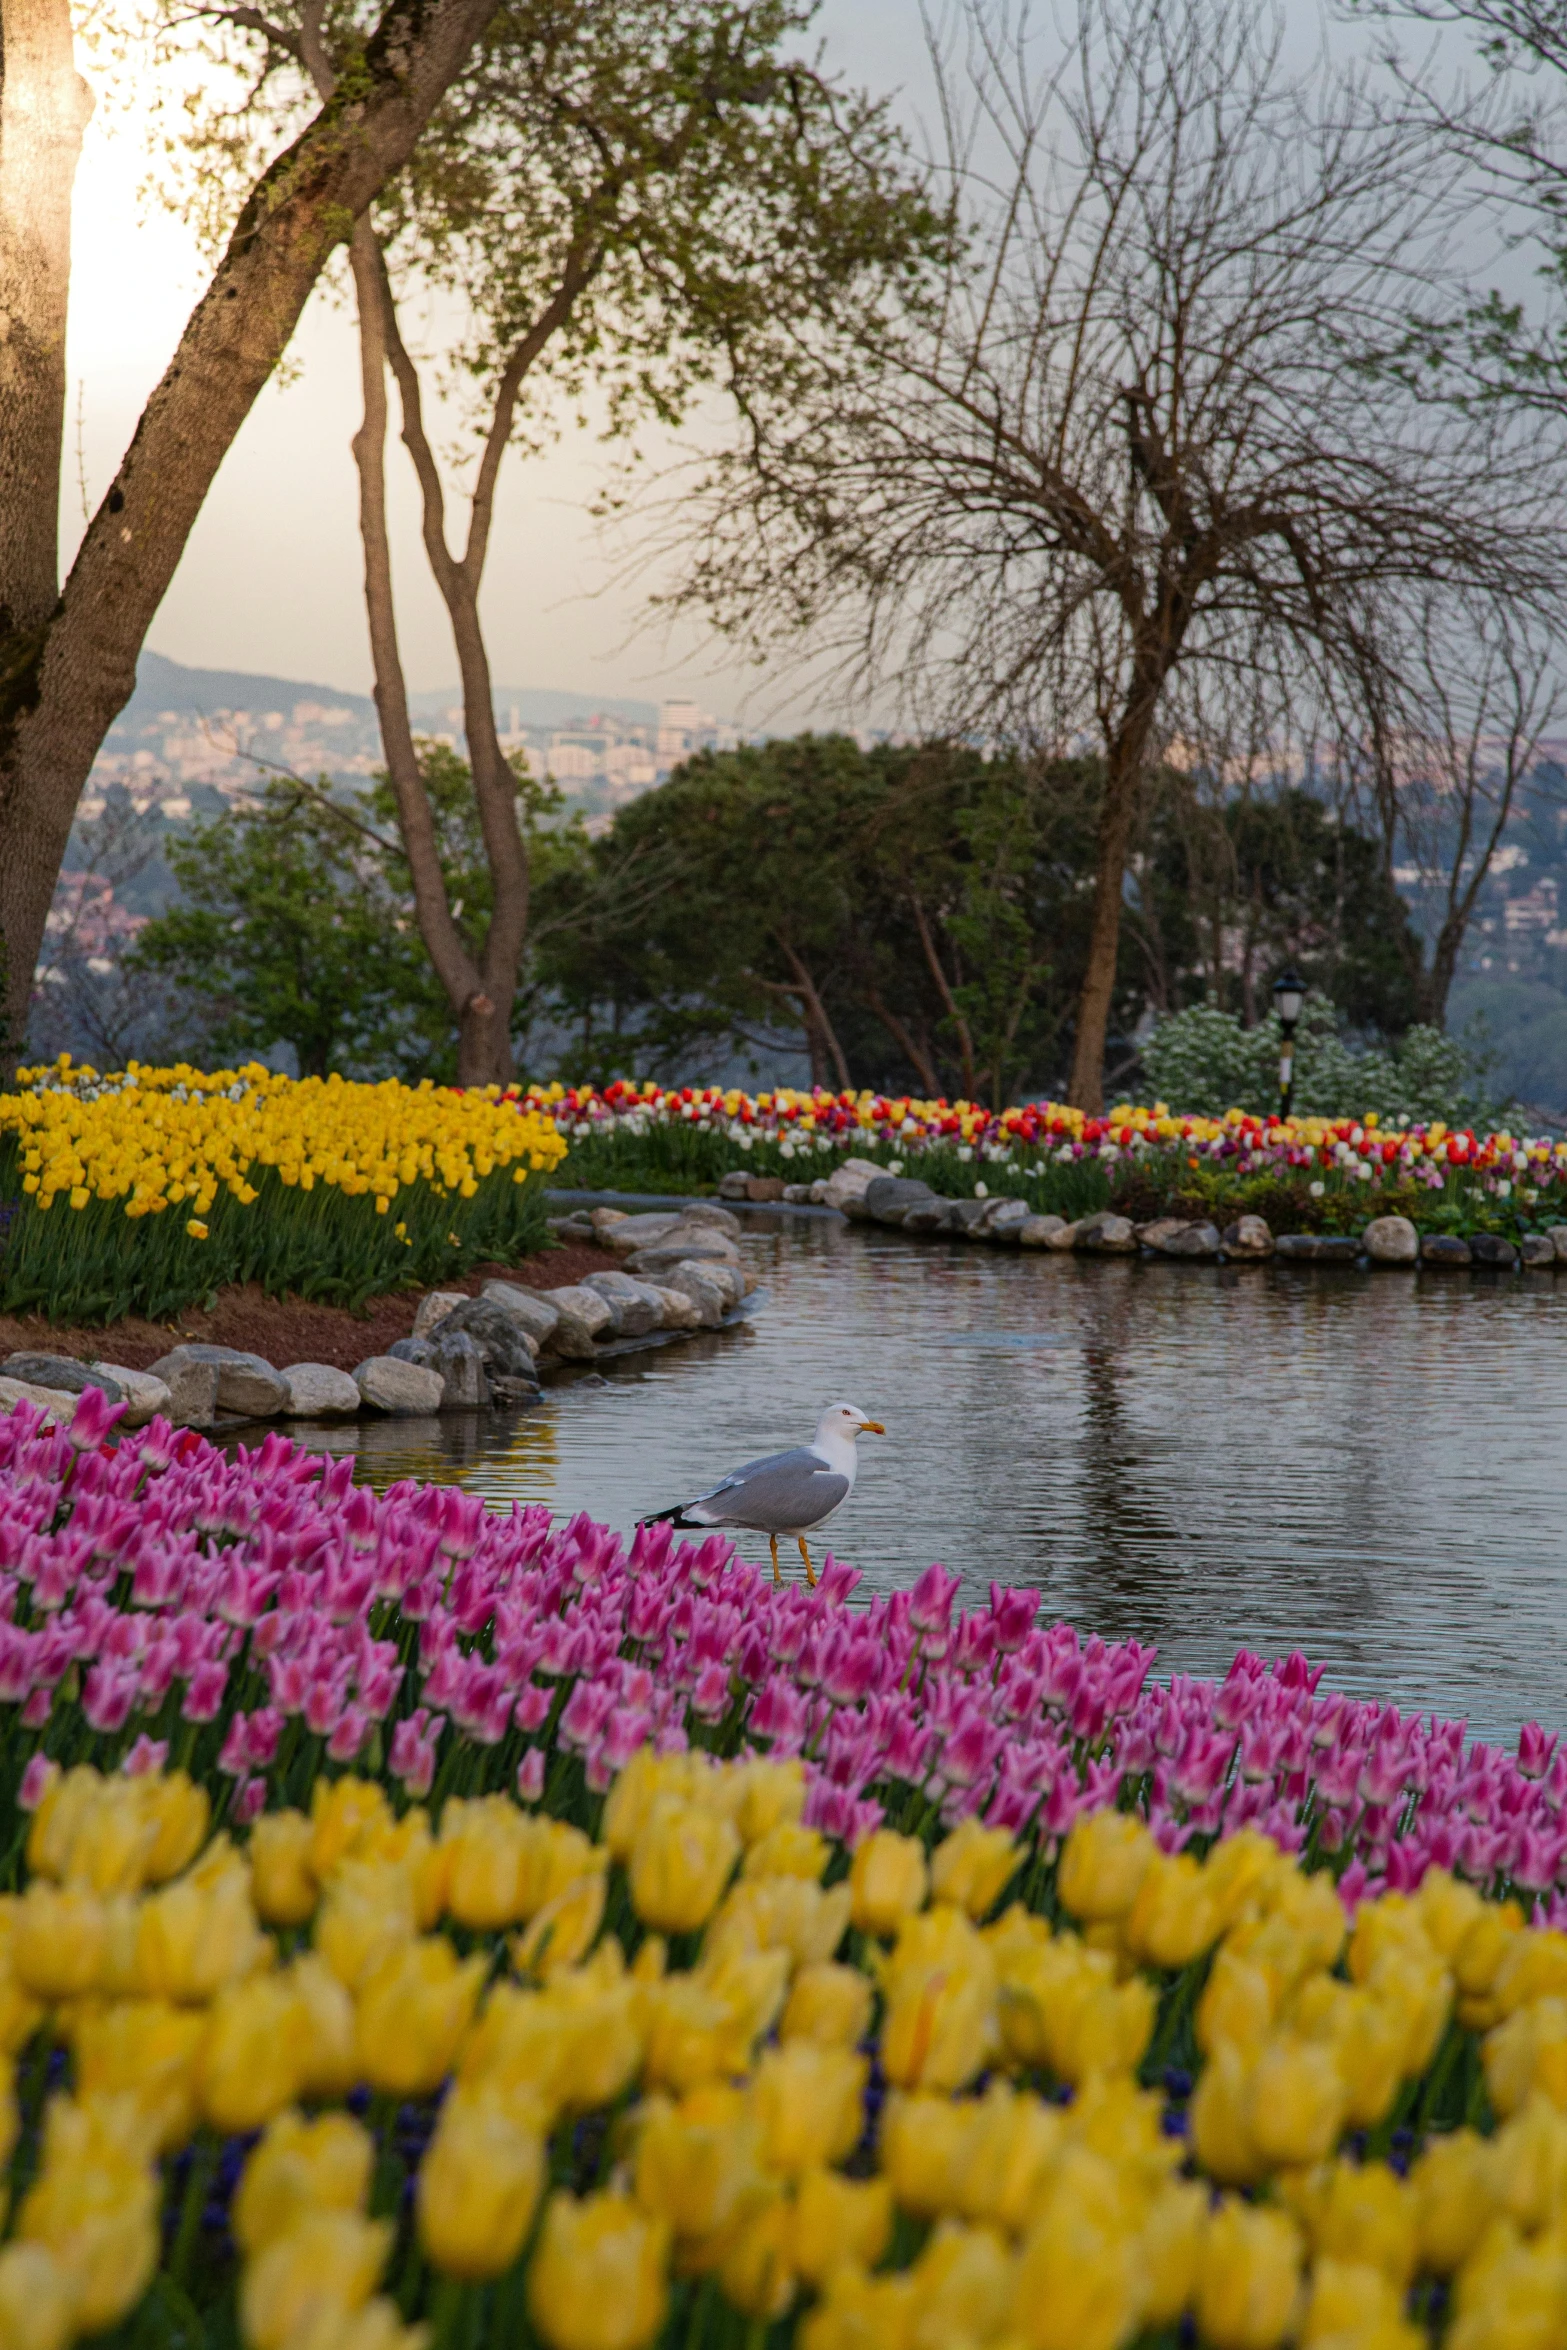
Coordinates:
(777,1572)
(810,1571)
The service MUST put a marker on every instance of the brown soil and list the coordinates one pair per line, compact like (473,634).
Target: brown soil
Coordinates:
(285,1329)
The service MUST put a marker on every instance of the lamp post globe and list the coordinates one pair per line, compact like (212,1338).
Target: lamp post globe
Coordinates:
(1289,993)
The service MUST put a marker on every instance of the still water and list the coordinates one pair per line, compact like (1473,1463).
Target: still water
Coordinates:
(1369,1466)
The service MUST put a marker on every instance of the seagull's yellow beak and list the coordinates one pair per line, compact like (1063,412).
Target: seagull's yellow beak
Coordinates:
(870,1428)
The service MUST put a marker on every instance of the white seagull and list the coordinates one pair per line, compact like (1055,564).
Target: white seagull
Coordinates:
(790,1492)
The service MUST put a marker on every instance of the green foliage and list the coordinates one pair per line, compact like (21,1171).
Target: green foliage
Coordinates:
(1204,1061)
(1235,888)
(93,1265)
(285,929)
(295,923)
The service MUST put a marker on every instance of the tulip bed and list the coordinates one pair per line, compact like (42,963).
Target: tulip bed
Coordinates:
(427,1925)
(144,1192)
(1307,1173)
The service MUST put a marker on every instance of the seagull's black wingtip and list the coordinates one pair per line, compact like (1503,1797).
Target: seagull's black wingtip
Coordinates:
(674,1517)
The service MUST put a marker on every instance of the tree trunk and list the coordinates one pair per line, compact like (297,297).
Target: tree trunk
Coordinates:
(44,106)
(64,677)
(473,1007)
(1117,815)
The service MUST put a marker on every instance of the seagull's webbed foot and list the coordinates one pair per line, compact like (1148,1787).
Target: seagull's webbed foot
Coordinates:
(777,1570)
(810,1571)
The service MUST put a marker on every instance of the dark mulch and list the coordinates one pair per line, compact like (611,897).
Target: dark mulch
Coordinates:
(285,1329)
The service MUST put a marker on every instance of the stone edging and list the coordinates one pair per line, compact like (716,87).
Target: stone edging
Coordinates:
(866,1193)
(683,1273)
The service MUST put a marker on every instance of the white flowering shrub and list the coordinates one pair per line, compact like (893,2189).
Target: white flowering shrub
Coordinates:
(1203,1061)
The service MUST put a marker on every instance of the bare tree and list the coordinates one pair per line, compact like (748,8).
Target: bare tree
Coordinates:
(1129,434)
(616,194)
(68,654)
(1437,744)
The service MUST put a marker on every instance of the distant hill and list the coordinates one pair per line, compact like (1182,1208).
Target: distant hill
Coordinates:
(168,685)
(162,684)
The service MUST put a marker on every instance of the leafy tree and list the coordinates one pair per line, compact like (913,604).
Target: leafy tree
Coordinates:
(1230,894)
(68,652)
(285,931)
(621,197)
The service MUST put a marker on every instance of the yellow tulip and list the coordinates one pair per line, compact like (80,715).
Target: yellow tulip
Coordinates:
(38,2299)
(1248,2278)
(95,2208)
(57,1941)
(809,2105)
(483,1844)
(1220,2119)
(703,2027)
(788,1850)
(1237,2005)
(1076,2280)
(148,2050)
(597,2278)
(479,2185)
(412,2016)
(1528,2170)
(1454,2203)
(889,1880)
(773,1794)
(680,1864)
(323,2267)
(300,2167)
(696,2161)
(940,1988)
(1010,2144)
(1174,1915)
(829,2004)
(181,1814)
(924,2144)
(964,2281)
(367,1914)
(1102,1865)
(1169,2250)
(563,1930)
(754,2265)
(194,1937)
(343,1813)
(971,1867)
(329,2064)
(256,2058)
(836,2220)
(283,1883)
(1296,2102)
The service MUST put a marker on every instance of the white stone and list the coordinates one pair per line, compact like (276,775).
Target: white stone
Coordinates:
(53,1400)
(402,1389)
(602,1218)
(706,1294)
(538,1315)
(1391,1240)
(247,1383)
(634,1307)
(1557,1236)
(316,1391)
(145,1396)
(1063,1238)
(584,1306)
(434,1307)
(1039,1231)
(193,1391)
(848,1181)
(680,1312)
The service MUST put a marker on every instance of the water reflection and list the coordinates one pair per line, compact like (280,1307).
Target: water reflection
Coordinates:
(1371,1466)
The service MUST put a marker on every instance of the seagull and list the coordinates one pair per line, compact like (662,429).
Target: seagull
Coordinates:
(790,1492)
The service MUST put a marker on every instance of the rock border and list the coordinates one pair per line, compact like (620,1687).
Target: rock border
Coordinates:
(866,1193)
(683,1274)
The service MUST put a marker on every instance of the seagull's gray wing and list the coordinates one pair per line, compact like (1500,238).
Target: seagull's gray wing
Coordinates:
(785,1493)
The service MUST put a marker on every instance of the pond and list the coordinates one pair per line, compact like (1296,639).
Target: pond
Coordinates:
(1369,1466)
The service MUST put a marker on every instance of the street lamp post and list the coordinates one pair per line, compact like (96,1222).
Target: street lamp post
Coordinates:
(1289,991)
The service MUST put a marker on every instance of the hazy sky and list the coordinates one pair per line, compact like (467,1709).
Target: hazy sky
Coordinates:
(271,577)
